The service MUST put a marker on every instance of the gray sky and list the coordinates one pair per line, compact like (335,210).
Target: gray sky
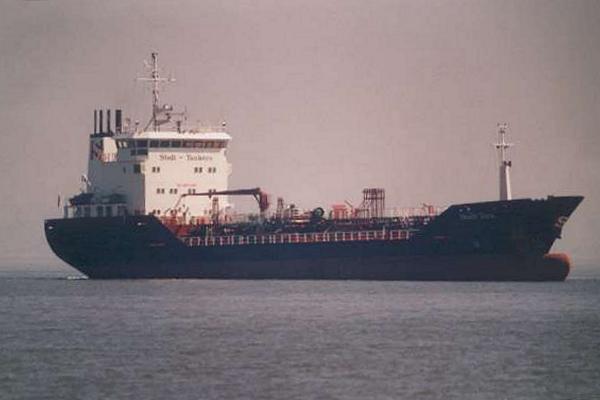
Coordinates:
(322,98)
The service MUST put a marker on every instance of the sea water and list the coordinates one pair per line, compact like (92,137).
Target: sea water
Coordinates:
(66,338)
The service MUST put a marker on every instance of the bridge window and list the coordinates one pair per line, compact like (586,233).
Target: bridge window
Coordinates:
(137,169)
(100,211)
(197,170)
(109,211)
(144,143)
(160,191)
(155,169)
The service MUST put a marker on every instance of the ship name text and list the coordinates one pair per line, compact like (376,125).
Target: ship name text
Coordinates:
(476,216)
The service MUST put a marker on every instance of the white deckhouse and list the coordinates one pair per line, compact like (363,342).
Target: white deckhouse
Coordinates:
(133,170)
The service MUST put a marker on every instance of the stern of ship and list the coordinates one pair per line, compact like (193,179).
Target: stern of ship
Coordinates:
(115,247)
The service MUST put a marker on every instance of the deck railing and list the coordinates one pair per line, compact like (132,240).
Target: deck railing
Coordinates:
(311,237)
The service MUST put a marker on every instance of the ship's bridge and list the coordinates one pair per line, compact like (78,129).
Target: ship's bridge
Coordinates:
(149,169)
(138,144)
(152,169)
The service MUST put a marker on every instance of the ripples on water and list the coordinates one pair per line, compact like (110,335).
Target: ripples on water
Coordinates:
(194,339)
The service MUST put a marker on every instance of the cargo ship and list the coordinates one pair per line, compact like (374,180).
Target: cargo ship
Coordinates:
(155,203)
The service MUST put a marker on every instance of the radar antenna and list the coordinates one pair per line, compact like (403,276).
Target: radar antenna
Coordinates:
(505,165)
(156,80)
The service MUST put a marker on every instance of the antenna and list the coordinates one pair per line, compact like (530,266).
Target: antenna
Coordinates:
(156,80)
(502,146)
(88,184)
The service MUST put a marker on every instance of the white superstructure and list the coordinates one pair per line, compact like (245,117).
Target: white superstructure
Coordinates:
(133,170)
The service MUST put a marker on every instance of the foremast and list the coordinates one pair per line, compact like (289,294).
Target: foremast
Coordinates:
(502,146)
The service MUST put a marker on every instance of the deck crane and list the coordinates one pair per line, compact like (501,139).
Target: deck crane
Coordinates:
(261,197)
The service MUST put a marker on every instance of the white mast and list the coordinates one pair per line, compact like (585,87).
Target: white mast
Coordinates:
(502,146)
(156,80)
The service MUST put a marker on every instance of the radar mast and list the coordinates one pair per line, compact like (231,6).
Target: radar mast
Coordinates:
(156,80)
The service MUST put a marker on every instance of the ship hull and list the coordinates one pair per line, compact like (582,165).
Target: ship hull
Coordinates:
(493,241)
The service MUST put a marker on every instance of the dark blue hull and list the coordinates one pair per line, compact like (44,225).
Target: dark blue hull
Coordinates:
(506,240)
